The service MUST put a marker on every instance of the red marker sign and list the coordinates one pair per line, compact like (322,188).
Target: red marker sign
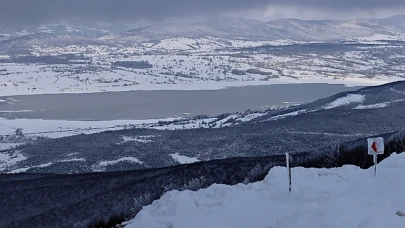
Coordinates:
(375,146)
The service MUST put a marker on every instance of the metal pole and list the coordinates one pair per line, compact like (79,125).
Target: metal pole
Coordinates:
(375,165)
(287,156)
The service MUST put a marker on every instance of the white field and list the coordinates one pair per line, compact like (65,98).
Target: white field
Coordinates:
(190,64)
(349,99)
(333,198)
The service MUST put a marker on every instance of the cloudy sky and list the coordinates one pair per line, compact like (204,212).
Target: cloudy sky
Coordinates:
(24,12)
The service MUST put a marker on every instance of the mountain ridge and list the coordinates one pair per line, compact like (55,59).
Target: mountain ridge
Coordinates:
(224,28)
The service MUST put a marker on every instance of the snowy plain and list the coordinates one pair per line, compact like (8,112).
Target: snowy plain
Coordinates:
(329,198)
(195,64)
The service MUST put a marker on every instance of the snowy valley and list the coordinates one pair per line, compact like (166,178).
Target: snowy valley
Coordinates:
(208,55)
(155,125)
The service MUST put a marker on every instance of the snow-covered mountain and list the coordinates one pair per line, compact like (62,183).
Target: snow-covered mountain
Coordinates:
(327,30)
(49,40)
(229,28)
(293,29)
(396,22)
(221,28)
(89,29)
(86,29)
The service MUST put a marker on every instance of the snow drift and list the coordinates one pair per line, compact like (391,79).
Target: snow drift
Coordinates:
(340,197)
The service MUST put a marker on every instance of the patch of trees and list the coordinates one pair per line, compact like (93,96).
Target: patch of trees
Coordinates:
(57,59)
(133,64)
(259,72)
(238,72)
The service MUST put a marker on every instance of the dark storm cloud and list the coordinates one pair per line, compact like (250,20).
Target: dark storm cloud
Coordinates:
(15,12)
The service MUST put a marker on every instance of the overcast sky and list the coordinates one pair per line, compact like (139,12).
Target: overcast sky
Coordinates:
(25,12)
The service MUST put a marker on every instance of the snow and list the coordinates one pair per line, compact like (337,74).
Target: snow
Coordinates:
(349,99)
(177,44)
(125,159)
(26,79)
(14,111)
(223,122)
(295,113)
(378,105)
(140,139)
(186,124)
(378,37)
(9,159)
(250,117)
(372,106)
(73,160)
(333,198)
(44,165)
(7,146)
(62,128)
(183,159)
(21,170)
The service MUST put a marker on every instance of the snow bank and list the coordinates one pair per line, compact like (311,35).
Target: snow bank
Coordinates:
(377,105)
(342,197)
(183,159)
(372,106)
(25,169)
(140,139)
(349,99)
(126,159)
(288,114)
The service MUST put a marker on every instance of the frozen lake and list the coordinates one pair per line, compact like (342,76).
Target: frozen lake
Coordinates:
(160,104)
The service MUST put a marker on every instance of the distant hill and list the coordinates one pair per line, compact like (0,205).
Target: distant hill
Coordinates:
(48,39)
(223,28)
(293,29)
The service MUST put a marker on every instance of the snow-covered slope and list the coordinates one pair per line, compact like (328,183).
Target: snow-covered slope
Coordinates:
(49,40)
(223,27)
(293,29)
(396,22)
(89,29)
(341,197)
(327,30)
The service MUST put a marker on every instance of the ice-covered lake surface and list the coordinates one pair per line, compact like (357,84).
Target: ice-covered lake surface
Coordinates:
(161,104)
